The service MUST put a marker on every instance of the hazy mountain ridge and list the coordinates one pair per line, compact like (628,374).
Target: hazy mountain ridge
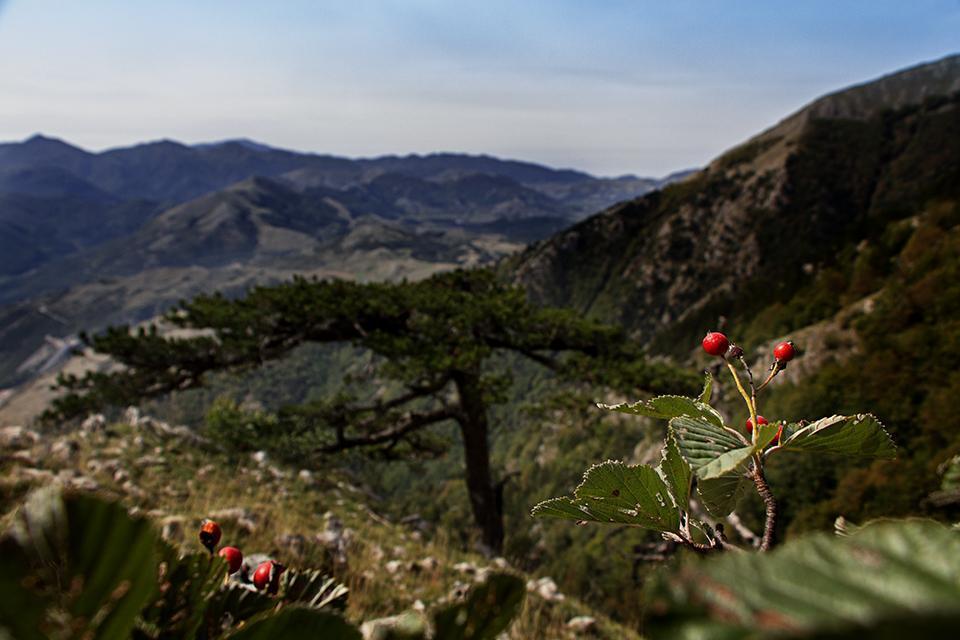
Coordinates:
(100,227)
(763,219)
(450,188)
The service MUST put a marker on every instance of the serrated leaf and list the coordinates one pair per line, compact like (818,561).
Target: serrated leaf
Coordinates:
(562,508)
(677,474)
(886,580)
(721,495)
(667,407)
(765,434)
(312,588)
(728,463)
(707,392)
(859,435)
(613,492)
(486,611)
(297,622)
(702,442)
(241,602)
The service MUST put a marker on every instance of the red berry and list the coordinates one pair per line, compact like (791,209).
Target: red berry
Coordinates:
(233,557)
(210,534)
(760,420)
(715,343)
(784,351)
(267,576)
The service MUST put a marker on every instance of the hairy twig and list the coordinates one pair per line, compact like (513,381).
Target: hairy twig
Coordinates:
(770,504)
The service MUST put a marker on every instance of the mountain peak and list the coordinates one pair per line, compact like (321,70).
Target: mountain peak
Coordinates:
(246,143)
(38,140)
(895,90)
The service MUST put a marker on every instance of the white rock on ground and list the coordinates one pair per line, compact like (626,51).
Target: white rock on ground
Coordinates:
(393,566)
(94,422)
(582,624)
(546,588)
(16,437)
(64,450)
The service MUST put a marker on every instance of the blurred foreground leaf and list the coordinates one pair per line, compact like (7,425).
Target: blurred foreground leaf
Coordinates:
(76,566)
(297,622)
(485,612)
(885,580)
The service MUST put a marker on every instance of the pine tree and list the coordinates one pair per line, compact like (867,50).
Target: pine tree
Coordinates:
(434,338)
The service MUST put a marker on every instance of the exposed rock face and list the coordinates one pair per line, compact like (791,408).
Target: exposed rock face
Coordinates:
(760,221)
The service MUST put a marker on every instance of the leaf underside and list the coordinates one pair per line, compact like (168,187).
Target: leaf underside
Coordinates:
(890,580)
(668,407)
(857,436)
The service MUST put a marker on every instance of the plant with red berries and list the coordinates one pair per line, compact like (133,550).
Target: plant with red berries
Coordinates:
(210,534)
(233,558)
(79,566)
(707,465)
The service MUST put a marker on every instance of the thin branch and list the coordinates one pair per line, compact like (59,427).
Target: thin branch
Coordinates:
(413,393)
(413,423)
(530,352)
(742,530)
(774,370)
(751,407)
(753,388)
(769,502)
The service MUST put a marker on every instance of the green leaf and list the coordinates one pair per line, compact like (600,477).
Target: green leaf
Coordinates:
(406,626)
(189,582)
(21,610)
(486,611)
(702,442)
(667,407)
(766,433)
(238,601)
(93,564)
(887,580)
(297,622)
(721,495)
(613,492)
(728,463)
(312,588)
(677,473)
(707,392)
(859,435)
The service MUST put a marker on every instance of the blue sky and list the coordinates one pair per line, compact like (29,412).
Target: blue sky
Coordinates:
(609,87)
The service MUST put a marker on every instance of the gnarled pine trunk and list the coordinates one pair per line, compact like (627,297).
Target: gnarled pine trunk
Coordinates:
(487,508)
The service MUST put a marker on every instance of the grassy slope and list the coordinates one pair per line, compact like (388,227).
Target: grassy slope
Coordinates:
(192,483)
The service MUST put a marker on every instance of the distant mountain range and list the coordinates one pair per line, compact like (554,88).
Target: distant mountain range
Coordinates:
(117,236)
(57,199)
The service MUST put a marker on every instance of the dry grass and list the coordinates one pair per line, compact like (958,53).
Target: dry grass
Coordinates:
(388,567)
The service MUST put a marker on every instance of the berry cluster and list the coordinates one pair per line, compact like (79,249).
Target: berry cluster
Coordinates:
(265,577)
(717,344)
